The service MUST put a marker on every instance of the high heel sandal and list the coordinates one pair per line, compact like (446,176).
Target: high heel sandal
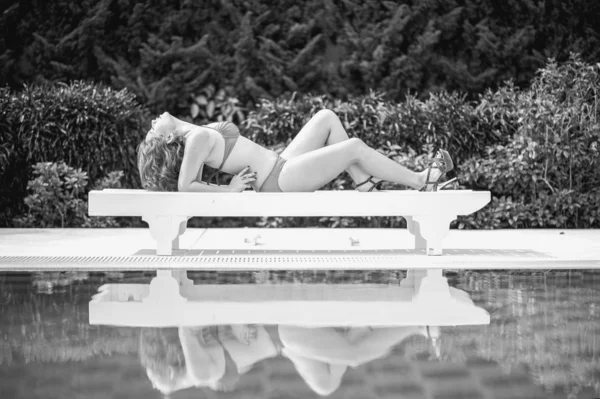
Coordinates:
(447,183)
(434,341)
(369,180)
(443,162)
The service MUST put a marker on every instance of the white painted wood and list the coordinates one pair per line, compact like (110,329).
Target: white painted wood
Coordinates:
(413,228)
(428,214)
(181,277)
(164,288)
(431,303)
(433,227)
(119,202)
(165,229)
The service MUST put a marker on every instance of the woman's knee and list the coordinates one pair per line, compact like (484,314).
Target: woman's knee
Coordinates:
(326,114)
(357,147)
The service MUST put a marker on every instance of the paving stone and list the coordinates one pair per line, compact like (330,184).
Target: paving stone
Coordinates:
(517,393)
(476,362)
(443,373)
(291,393)
(501,380)
(414,395)
(353,381)
(459,394)
(251,384)
(347,392)
(360,395)
(394,364)
(399,389)
(283,377)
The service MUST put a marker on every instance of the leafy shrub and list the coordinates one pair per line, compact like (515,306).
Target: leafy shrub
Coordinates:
(87,126)
(164,51)
(445,120)
(214,105)
(536,150)
(548,175)
(58,198)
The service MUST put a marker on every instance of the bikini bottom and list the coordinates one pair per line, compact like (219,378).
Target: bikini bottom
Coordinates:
(271,183)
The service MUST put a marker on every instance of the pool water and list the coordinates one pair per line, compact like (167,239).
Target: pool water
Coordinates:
(542,341)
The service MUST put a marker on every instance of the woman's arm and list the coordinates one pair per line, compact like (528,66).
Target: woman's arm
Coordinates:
(203,364)
(203,187)
(198,146)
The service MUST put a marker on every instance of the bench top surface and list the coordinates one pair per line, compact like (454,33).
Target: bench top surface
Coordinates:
(128,202)
(311,304)
(128,191)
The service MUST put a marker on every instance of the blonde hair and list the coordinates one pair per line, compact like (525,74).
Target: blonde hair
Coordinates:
(161,353)
(159,163)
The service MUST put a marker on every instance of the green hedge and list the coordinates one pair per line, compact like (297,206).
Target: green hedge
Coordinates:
(87,126)
(59,198)
(167,52)
(536,150)
(548,175)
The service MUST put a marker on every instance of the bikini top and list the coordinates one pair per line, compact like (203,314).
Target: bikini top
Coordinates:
(230,133)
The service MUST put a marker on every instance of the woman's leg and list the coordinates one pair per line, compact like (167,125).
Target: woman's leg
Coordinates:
(323,378)
(330,346)
(312,170)
(323,129)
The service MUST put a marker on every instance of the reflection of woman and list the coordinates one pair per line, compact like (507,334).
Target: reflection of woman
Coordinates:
(322,355)
(213,357)
(182,358)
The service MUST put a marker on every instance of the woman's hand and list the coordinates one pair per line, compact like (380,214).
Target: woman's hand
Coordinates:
(242,180)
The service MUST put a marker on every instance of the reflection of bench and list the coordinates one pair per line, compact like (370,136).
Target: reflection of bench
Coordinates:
(171,299)
(428,215)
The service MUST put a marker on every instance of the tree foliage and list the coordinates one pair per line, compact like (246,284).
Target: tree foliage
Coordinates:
(166,52)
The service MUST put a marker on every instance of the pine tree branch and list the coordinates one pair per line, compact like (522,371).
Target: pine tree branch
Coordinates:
(306,52)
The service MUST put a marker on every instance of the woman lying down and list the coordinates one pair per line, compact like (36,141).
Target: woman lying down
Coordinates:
(172,156)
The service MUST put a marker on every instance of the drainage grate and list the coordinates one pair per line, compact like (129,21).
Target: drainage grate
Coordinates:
(265,259)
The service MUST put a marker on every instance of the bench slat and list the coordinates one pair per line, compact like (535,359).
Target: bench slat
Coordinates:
(252,204)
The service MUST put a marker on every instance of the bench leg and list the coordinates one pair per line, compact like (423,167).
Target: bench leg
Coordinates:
(433,229)
(431,286)
(413,278)
(165,229)
(414,229)
(181,277)
(164,289)
(182,227)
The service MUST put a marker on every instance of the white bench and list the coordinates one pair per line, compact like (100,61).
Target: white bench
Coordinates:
(428,215)
(171,299)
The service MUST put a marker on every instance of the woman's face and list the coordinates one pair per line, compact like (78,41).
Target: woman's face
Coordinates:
(162,126)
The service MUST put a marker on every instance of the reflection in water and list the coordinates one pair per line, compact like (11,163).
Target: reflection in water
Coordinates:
(216,357)
(542,341)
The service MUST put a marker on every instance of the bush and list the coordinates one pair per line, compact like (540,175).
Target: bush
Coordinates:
(166,52)
(445,120)
(87,126)
(536,150)
(58,198)
(548,175)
